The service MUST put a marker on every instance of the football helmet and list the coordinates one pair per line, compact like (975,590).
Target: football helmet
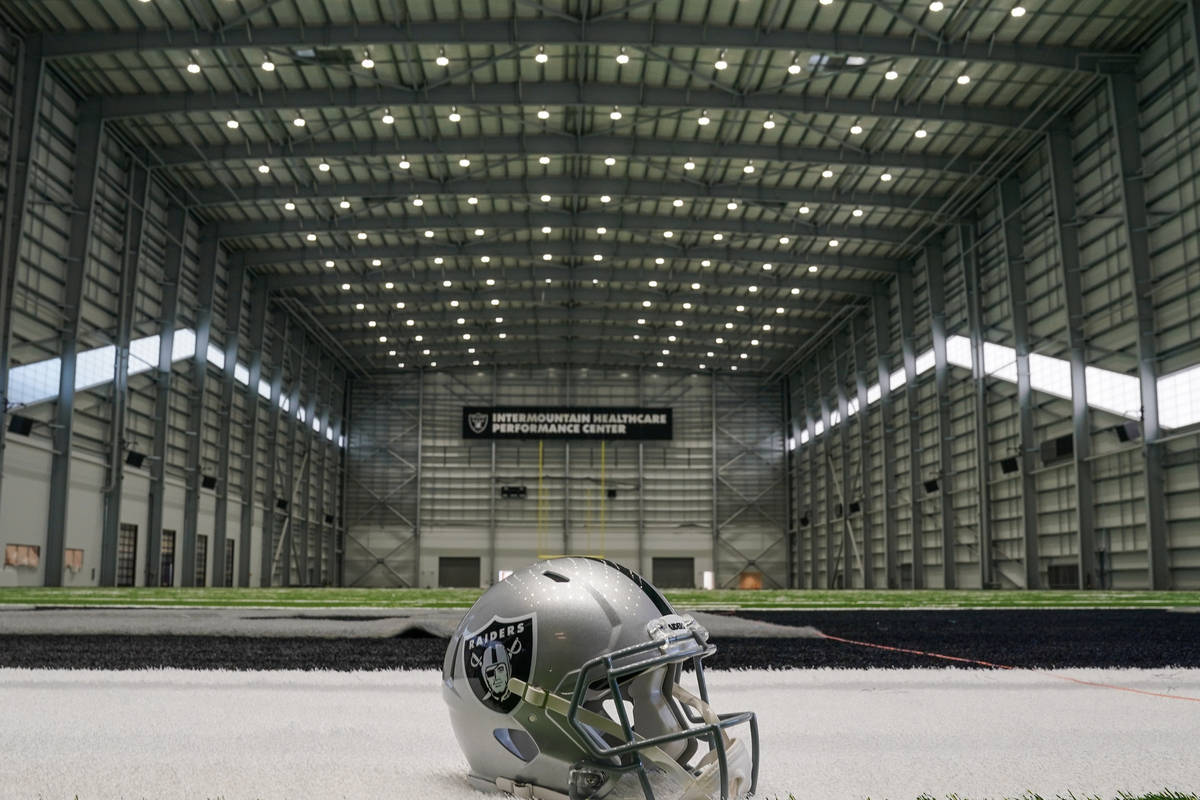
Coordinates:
(563,682)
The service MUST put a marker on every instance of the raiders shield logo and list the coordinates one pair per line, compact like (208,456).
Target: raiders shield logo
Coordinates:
(500,650)
(478,422)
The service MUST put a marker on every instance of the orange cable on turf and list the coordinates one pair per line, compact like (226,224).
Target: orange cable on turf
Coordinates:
(1006,666)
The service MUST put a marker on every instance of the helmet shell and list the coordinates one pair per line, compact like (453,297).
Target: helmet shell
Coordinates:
(543,622)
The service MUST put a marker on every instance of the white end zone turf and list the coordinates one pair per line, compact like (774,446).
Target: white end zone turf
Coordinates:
(825,734)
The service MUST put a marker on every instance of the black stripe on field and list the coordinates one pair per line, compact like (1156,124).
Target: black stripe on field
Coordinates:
(1040,639)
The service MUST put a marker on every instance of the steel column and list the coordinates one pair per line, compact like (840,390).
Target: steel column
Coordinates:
(812,488)
(420,472)
(205,283)
(344,430)
(881,312)
(83,195)
(310,445)
(1063,180)
(493,490)
(176,228)
(823,390)
(250,409)
(859,327)
(270,490)
(324,564)
(840,370)
(935,280)
(26,102)
(716,522)
(912,403)
(789,436)
(983,487)
(233,330)
(643,567)
(1014,249)
(288,532)
(1125,118)
(135,216)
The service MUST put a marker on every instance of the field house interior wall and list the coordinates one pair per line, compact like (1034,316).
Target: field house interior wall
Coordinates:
(419,492)
(958,478)
(217,457)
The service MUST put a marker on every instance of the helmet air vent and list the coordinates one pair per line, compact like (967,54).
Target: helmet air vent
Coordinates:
(554,576)
(517,742)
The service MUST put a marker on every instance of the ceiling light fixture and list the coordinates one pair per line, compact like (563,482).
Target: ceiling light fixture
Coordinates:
(1018,11)
(885,177)
(193,68)
(344,204)
(454,116)
(858,212)
(721,63)
(464,162)
(299,122)
(749,168)
(622,57)
(891,75)
(921,133)
(541,56)
(441,59)
(855,130)
(689,165)
(264,168)
(803,210)
(329,264)
(605,198)
(367,62)
(936,6)
(543,160)
(769,122)
(610,161)
(268,65)
(813,268)
(404,163)
(615,114)
(963,80)
(472,200)
(543,113)
(731,205)
(703,119)
(232,124)
(324,166)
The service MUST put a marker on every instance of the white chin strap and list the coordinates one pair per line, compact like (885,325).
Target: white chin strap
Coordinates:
(669,779)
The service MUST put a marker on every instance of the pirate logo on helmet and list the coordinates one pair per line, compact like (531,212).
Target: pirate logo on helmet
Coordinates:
(501,650)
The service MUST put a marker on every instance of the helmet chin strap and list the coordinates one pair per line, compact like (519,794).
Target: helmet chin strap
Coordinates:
(704,783)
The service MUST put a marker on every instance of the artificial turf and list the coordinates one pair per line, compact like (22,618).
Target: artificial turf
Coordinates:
(463,598)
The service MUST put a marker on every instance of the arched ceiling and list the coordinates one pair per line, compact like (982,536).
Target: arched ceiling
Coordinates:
(609,182)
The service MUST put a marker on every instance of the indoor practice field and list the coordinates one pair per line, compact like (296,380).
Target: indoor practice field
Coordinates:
(329,701)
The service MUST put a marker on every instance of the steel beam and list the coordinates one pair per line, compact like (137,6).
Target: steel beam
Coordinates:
(26,100)
(88,134)
(114,483)
(236,283)
(557,145)
(168,310)
(1123,105)
(421,282)
(1066,217)
(206,277)
(582,220)
(1193,32)
(859,328)
(535,95)
(529,187)
(983,484)
(559,32)
(935,281)
(883,346)
(250,408)
(912,404)
(1014,251)
(279,323)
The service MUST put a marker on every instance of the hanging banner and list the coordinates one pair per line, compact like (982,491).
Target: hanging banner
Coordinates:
(565,422)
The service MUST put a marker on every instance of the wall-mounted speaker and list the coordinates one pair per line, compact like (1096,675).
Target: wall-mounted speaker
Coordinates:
(135,459)
(208,481)
(513,492)
(22,426)
(1127,431)
(804,521)
(612,494)
(855,507)
(281,504)
(1009,465)
(1057,449)
(329,519)
(931,486)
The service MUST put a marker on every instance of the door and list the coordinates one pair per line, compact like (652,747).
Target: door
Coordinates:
(166,571)
(674,573)
(126,554)
(458,571)
(202,560)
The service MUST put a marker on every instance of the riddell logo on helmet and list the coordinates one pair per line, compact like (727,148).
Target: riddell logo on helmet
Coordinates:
(498,651)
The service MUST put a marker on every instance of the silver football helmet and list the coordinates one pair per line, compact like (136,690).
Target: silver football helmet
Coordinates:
(563,682)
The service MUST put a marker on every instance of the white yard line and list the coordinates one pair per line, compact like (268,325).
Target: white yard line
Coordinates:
(825,734)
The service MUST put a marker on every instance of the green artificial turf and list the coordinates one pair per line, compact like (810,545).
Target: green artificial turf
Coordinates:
(462,598)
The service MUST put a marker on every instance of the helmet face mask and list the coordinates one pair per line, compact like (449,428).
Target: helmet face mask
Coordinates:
(563,681)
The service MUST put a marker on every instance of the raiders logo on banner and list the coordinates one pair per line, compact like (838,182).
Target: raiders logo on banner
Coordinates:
(500,650)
